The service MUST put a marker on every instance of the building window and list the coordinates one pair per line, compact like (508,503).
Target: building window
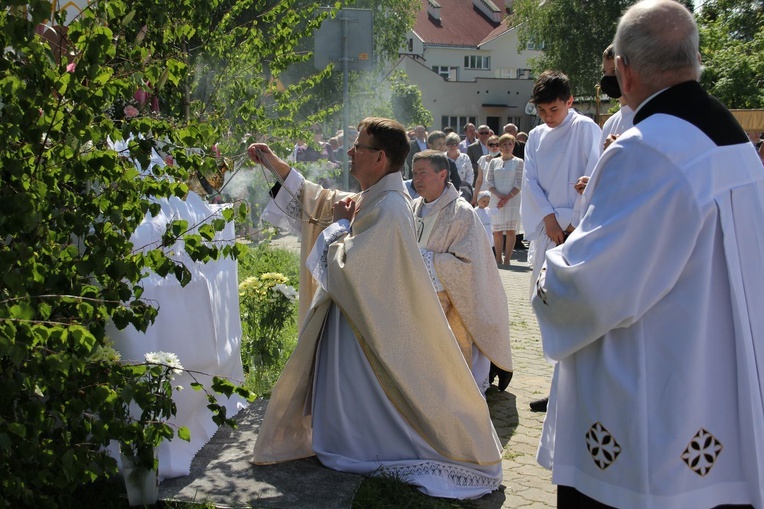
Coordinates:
(533,45)
(524,74)
(457,123)
(411,45)
(514,120)
(477,62)
(505,73)
(449,73)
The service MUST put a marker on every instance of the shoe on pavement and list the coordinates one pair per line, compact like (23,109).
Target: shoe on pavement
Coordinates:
(539,405)
(504,378)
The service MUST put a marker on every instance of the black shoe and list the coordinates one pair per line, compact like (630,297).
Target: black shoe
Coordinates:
(539,405)
(492,373)
(504,378)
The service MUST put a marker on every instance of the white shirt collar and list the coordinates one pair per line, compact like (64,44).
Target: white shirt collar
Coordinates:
(648,100)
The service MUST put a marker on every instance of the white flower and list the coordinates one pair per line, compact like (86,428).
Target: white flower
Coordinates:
(166,359)
(288,292)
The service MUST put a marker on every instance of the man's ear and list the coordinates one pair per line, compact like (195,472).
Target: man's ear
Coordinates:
(569,102)
(623,74)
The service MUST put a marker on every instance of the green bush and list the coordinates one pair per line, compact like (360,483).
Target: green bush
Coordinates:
(268,317)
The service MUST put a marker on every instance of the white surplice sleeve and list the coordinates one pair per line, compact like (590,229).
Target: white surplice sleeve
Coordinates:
(316,262)
(427,256)
(283,210)
(595,282)
(534,206)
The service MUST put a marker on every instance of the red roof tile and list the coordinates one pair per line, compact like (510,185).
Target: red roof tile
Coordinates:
(460,24)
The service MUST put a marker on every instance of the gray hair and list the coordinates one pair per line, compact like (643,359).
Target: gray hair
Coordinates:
(659,40)
(453,138)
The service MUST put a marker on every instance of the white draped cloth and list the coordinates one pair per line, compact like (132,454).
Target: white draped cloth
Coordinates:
(653,310)
(199,323)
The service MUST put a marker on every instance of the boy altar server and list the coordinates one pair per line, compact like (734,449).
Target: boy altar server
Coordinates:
(558,152)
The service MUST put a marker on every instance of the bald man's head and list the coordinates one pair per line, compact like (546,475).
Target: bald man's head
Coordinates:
(658,39)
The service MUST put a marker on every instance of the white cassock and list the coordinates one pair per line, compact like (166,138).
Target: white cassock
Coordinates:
(654,310)
(365,367)
(554,160)
(621,121)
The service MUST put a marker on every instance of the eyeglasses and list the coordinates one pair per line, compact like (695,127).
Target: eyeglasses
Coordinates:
(493,144)
(452,144)
(484,133)
(356,146)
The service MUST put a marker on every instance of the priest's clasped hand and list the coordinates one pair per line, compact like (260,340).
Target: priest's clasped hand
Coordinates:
(344,209)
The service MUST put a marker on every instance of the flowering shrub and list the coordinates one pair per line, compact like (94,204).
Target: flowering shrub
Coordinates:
(267,306)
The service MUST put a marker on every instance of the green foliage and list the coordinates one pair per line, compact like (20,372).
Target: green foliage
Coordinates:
(407,102)
(269,328)
(391,492)
(139,71)
(732,50)
(267,306)
(392,19)
(574,36)
(731,44)
(149,387)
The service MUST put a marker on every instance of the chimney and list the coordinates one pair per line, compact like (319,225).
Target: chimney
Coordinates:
(433,9)
(489,10)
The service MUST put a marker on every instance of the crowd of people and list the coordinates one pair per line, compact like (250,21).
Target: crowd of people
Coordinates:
(647,282)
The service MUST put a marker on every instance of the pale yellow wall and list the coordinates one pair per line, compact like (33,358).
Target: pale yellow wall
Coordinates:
(474,88)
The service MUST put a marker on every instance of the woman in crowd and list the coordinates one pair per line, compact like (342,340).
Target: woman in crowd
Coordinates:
(504,180)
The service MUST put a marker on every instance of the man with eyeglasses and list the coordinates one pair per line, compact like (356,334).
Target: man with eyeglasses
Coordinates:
(478,149)
(364,389)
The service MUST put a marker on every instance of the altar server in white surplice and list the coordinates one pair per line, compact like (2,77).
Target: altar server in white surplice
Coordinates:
(377,383)
(558,152)
(653,307)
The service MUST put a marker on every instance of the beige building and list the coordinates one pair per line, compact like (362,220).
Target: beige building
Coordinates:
(467,61)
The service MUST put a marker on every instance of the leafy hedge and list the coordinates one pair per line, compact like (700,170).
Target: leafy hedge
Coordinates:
(69,202)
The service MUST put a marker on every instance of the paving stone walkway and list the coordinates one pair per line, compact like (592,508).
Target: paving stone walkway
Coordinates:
(221,472)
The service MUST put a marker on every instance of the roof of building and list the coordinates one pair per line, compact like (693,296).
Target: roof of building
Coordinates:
(460,24)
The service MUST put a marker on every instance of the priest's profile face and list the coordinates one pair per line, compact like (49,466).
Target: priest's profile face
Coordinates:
(367,161)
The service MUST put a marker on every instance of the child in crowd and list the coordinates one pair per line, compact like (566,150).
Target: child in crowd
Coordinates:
(484,213)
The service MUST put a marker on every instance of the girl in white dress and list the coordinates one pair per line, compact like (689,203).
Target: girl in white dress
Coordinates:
(482,165)
(504,180)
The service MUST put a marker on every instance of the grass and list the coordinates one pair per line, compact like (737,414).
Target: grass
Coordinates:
(110,494)
(385,492)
